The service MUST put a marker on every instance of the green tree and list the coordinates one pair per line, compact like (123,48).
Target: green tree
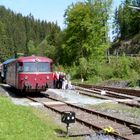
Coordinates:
(32,50)
(126,20)
(86,32)
(83,66)
(19,34)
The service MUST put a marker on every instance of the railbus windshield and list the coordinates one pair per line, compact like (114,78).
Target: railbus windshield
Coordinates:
(43,67)
(35,67)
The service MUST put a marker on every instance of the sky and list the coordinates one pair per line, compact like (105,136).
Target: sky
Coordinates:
(49,10)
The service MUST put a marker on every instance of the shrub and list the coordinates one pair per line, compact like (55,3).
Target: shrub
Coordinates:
(122,67)
(136,64)
(83,66)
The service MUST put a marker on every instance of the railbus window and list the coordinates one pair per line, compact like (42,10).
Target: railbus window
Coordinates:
(29,67)
(43,67)
(20,67)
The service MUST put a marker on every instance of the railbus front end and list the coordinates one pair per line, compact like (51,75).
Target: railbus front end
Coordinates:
(32,74)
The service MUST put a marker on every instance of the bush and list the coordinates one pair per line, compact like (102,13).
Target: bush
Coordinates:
(94,79)
(106,71)
(83,67)
(136,64)
(73,71)
(123,68)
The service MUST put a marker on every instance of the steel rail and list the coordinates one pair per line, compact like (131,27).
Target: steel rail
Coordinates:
(93,126)
(106,97)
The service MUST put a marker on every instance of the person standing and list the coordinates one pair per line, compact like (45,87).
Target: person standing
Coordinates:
(55,80)
(62,78)
(64,83)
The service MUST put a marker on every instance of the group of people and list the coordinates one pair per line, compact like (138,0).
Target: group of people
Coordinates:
(62,81)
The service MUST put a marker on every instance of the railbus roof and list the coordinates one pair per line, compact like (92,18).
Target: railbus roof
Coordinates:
(8,61)
(34,59)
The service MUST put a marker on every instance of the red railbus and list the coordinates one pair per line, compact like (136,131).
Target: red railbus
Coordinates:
(30,74)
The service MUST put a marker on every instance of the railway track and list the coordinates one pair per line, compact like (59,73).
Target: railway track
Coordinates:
(122,91)
(121,98)
(93,119)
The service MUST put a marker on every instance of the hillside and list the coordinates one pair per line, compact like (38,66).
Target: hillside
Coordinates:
(130,46)
(22,34)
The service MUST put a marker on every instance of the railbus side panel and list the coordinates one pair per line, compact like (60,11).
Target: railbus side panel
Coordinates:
(12,76)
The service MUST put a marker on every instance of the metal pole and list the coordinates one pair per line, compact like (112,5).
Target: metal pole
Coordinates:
(67,129)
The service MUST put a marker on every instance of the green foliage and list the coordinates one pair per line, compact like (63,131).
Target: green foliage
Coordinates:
(5,52)
(73,71)
(136,64)
(94,79)
(23,34)
(42,47)
(50,46)
(105,71)
(31,48)
(86,32)
(127,19)
(83,66)
(134,79)
(51,51)
(124,68)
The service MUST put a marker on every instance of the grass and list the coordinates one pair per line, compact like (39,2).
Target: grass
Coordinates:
(25,123)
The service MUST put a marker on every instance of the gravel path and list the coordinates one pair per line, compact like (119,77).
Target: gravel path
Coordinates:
(74,128)
(3,92)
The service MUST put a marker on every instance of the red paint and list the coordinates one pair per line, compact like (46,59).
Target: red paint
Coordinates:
(29,81)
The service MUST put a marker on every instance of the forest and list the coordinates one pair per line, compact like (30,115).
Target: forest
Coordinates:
(83,47)
(19,34)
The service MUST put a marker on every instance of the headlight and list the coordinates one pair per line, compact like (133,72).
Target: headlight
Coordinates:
(47,77)
(26,77)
